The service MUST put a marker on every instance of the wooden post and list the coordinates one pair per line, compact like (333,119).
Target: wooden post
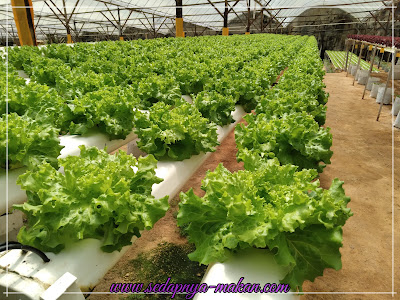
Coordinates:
(387,84)
(225,29)
(359,60)
(179,19)
(347,56)
(262,19)
(154,28)
(24,20)
(352,49)
(370,69)
(380,60)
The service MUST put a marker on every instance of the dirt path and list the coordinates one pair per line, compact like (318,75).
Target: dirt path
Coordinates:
(362,158)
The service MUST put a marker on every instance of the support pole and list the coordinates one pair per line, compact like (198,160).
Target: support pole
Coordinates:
(387,83)
(248,17)
(69,37)
(154,28)
(76,32)
(121,37)
(225,29)
(347,56)
(179,19)
(359,60)
(370,69)
(352,49)
(23,16)
(370,47)
(380,60)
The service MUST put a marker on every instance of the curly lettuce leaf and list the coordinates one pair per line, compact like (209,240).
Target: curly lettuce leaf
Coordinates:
(307,252)
(154,88)
(108,109)
(278,102)
(176,132)
(268,206)
(294,138)
(215,107)
(29,142)
(99,196)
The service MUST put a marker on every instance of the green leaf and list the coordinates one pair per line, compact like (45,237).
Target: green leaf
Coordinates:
(101,196)
(176,132)
(295,138)
(29,142)
(267,206)
(215,107)
(307,253)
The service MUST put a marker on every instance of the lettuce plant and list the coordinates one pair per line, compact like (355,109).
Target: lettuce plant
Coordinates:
(269,206)
(29,142)
(175,132)
(215,107)
(294,138)
(108,109)
(100,196)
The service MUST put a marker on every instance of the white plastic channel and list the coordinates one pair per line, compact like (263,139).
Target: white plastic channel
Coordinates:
(257,266)
(84,259)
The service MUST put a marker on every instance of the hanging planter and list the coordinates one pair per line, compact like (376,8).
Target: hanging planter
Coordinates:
(381,93)
(375,88)
(396,106)
(371,81)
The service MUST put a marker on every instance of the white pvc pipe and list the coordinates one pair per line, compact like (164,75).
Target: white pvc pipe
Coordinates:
(257,266)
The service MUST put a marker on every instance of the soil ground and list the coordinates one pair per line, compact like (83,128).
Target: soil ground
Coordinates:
(363,160)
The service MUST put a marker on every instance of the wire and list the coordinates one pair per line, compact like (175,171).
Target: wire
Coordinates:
(16,245)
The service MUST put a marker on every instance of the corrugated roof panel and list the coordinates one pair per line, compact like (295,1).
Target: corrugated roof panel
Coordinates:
(199,12)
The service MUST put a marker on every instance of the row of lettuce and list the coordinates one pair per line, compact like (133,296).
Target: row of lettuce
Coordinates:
(276,202)
(103,87)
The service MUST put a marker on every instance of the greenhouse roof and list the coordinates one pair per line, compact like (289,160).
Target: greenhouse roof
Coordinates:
(102,16)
